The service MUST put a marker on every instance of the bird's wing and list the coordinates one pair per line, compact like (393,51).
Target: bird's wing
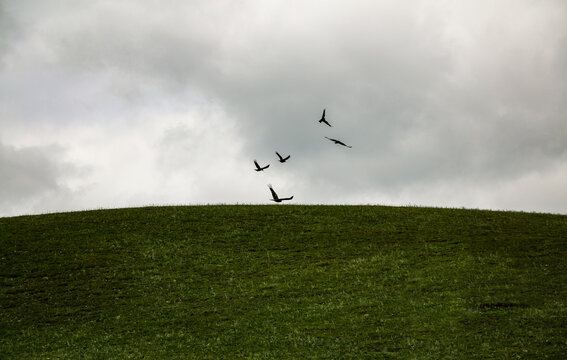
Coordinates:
(256,163)
(287,198)
(274,195)
(278,154)
(324,113)
(267,166)
(287,157)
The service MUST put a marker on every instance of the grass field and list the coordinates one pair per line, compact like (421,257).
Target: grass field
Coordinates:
(284,282)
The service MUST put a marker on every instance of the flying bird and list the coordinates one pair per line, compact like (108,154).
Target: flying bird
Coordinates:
(282,159)
(338,142)
(259,168)
(275,196)
(323,119)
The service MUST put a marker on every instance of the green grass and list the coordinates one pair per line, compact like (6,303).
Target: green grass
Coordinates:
(284,282)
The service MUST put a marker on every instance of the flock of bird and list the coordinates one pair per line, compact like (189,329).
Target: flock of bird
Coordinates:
(282,160)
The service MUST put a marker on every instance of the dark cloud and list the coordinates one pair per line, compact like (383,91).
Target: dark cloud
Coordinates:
(5,28)
(31,173)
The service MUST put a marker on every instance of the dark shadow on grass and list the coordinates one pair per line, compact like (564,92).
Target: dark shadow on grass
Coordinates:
(501,306)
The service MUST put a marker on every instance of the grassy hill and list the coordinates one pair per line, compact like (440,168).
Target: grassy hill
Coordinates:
(284,282)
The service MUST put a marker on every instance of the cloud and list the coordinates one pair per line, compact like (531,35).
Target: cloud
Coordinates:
(31,175)
(171,102)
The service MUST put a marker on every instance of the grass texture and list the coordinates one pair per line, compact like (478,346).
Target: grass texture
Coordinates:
(284,282)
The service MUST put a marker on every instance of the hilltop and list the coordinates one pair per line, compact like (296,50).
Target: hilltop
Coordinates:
(284,282)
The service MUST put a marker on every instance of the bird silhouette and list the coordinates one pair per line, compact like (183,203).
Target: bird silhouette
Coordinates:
(275,196)
(259,168)
(323,119)
(338,142)
(282,159)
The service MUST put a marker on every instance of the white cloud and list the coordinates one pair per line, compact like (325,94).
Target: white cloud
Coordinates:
(443,102)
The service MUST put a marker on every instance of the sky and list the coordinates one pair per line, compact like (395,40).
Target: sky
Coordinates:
(109,104)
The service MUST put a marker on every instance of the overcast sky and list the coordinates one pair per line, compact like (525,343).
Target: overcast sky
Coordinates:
(108,104)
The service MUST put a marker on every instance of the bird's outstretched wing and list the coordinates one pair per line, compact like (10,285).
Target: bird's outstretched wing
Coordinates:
(342,143)
(323,119)
(338,142)
(274,195)
(259,168)
(287,198)
(278,154)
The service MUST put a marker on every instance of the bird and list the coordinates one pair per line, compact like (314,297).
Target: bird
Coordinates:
(323,119)
(259,168)
(275,196)
(339,142)
(282,159)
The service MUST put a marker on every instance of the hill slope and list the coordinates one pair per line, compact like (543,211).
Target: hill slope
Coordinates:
(262,282)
